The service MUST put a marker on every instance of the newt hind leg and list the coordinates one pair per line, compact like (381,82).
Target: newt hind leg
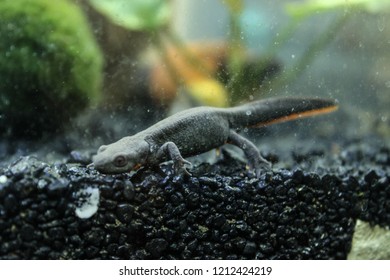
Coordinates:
(256,161)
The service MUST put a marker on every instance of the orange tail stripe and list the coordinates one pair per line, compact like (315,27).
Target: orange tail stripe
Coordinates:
(294,116)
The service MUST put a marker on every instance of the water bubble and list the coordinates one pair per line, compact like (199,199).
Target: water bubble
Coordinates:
(387,84)
(381,23)
(248,113)
(4,100)
(10,26)
(3,179)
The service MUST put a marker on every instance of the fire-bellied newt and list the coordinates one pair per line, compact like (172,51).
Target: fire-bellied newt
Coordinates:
(200,129)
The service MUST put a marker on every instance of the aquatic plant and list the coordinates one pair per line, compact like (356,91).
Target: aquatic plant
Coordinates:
(152,17)
(309,7)
(240,81)
(135,14)
(50,66)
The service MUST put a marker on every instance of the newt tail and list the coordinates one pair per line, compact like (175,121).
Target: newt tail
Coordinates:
(274,110)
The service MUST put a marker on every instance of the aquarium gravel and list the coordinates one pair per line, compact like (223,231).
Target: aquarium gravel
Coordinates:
(222,211)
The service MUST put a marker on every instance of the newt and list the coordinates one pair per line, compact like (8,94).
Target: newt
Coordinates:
(200,129)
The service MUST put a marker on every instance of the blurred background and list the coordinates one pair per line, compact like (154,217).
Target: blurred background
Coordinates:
(91,71)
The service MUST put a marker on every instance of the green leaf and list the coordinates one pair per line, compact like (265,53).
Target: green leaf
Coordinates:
(135,14)
(309,7)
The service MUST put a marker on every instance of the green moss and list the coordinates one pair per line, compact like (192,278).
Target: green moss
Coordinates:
(50,65)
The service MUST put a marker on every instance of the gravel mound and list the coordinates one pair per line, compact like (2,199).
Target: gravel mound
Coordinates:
(307,210)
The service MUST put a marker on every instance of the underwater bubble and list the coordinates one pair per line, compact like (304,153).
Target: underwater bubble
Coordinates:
(248,113)
(11,26)
(4,100)
(381,23)
(3,179)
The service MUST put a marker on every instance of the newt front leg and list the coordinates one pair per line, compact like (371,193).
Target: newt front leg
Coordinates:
(172,151)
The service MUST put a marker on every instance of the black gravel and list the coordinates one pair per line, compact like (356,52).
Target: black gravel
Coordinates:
(305,208)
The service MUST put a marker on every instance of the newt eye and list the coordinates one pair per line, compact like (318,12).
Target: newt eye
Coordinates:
(120,161)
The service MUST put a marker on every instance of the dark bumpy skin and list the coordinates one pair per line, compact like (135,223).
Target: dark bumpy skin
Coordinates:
(201,129)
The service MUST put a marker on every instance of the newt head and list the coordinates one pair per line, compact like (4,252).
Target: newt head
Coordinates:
(125,155)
